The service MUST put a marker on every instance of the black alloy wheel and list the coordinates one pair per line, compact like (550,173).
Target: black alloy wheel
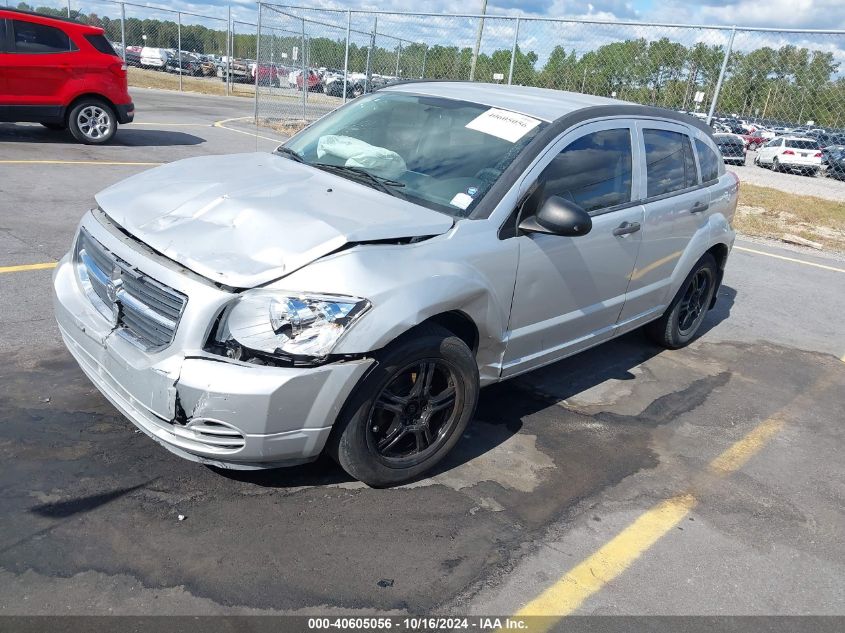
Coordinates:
(414,413)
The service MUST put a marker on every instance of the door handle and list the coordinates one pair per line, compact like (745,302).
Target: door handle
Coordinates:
(699,207)
(626,227)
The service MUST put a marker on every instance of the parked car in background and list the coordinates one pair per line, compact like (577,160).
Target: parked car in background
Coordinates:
(154,58)
(238,69)
(791,153)
(315,82)
(732,148)
(753,140)
(133,56)
(519,226)
(267,74)
(333,86)
(832,161)
(62,74)
(185,63)
(209,65)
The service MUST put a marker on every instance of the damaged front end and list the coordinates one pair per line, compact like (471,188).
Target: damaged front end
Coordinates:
(138,325)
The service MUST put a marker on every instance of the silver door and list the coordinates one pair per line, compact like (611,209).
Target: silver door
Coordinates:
(570,290)
(676,208)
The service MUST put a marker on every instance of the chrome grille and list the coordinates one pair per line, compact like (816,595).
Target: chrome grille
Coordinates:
(143,310)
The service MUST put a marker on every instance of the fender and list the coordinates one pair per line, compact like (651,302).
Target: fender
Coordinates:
(408,284)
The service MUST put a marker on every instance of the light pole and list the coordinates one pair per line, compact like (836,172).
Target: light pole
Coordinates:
(478,41)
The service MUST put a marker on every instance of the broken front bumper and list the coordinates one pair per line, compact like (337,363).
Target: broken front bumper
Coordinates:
(201,407)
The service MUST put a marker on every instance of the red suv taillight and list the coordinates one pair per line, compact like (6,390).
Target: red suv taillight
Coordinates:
(118,69)
(788,151)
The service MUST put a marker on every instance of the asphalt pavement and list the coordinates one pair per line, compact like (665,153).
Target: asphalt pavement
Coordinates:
(558,465)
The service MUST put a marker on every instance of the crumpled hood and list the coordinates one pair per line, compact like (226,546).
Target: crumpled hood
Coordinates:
(246,219)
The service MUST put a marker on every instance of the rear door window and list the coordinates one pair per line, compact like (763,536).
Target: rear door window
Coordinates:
(30,37)
(2,35)
(708,160)
(670,164)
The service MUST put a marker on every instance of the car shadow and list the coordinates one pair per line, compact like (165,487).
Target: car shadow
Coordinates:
(124,137)
(503,407)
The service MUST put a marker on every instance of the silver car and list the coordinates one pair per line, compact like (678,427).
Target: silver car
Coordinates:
(352,291)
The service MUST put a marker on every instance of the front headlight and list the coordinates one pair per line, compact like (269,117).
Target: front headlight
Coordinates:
(286,325)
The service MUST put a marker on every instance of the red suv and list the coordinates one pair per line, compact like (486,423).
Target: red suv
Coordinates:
(62,74)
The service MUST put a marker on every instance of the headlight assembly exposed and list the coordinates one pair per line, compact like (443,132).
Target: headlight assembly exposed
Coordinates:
(287,325)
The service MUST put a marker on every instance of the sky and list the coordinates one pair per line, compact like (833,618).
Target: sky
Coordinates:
(821,14)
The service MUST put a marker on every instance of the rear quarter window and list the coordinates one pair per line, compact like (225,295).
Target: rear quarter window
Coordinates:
(101,44)
(31,37)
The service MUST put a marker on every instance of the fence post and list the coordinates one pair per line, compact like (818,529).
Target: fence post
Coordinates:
(68,9)
(179,46)
(229,46)
(346,54)
(721,76)
(513,51)
(257,58)
(398,54)
(478,35)
(123,29)
(304,77)
(425,56)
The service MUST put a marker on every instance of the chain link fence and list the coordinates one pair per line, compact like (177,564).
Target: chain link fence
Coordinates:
(741,77)
(301,62)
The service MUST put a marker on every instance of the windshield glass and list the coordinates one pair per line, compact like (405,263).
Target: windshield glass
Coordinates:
(440,153)
(799,144)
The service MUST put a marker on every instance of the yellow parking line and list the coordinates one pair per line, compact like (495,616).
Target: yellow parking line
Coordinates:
(222,122)
(734,457)
(790,259)
(25,267)
(74,162)
(607,563)
(618,554)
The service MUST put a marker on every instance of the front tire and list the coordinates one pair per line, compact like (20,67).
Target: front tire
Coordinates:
(409,411)
(684,316)
(92,121)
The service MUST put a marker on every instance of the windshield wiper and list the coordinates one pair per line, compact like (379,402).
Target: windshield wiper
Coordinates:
(287,151)
(376,182)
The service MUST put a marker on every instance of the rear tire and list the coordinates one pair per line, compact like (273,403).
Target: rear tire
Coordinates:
(409,411)
(775,165)
(684,316)
(92,121)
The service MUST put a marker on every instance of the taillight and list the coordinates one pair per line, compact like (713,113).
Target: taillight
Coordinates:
(789,152)
(817,155)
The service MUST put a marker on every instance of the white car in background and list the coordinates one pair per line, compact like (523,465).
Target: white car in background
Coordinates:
(792,153)
(154,58)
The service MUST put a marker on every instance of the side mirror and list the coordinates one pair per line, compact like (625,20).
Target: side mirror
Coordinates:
(558,216)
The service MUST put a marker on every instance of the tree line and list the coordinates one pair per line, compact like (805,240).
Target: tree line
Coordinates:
(789,83)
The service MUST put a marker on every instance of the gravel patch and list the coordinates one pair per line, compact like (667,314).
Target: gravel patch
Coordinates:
(819,186)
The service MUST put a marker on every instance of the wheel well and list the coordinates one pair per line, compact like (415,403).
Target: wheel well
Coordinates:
(458,324)
(88,95)
(720,254)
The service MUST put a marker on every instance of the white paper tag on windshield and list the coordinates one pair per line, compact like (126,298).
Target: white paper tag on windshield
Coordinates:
(461,200)
(503,124)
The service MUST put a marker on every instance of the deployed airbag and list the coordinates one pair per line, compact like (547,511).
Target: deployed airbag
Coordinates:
(380,161)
